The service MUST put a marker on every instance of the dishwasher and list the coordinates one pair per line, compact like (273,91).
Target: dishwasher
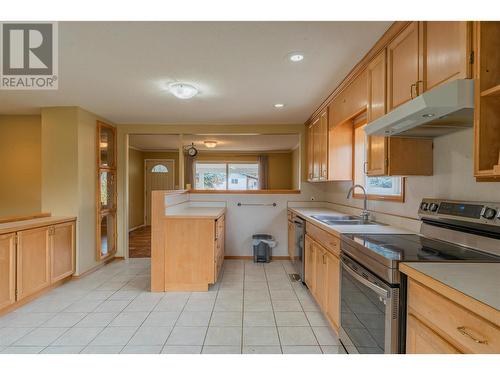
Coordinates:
(300,232)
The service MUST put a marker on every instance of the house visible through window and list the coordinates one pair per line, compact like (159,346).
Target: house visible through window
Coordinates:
(226,176)
(376,187)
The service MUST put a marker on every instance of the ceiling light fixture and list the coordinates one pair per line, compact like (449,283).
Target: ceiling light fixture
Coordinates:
(279,105)
(182,90)
(295,56)
(210,144)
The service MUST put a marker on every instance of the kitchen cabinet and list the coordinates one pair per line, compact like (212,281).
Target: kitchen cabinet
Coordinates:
(487,101)
(33,261)
(317,151)
(219,246)
(438,324)
(322,271)
(310,152)
(291,240)
(340,139)
(62,251)
(7,269)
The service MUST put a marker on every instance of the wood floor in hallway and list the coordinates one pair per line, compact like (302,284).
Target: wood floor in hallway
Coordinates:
(139,243)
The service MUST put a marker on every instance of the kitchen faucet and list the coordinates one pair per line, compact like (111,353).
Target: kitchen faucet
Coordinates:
(365,215)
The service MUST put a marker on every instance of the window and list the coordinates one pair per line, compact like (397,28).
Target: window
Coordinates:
(382,188)
(226,176)
(159,168)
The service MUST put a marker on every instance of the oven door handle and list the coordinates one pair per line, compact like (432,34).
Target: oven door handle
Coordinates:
(380,291)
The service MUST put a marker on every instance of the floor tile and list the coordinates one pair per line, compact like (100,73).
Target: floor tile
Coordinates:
(102,349)
(150,336)
(309,306)
(259,319)
(207,349)
(200,305)
(64,319)
(187,336)
(258,305)
(297,336)
(129,319)
(84,306)
(171,305)
(114,336)
(140,305)
(291,318)
(23,349)
(270,349)
(228,304)
(286,305)
(302,349)
(283,294)
(260,336)
(30,319)
(126,295)
(8,335)
(194,318)
(181,349)
(77,336)
(316,319)
(226,319)
(111,306)
(332,349)
(326,336)
(223,336)
(98,295)
(161,319)
(62,350)
(97,320)
(144,349)
(40,337)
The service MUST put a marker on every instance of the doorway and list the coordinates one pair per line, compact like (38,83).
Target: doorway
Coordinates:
(159,174)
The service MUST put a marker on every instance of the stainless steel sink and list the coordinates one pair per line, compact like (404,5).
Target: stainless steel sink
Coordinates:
(342,220)
(334,217)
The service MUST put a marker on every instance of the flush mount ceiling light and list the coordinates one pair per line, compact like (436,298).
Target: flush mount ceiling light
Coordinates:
(428,115)
(210,144)
(279,105)
(295,56)
(182,90)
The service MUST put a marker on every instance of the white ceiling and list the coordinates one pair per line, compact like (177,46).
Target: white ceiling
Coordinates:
(225,142)
(119,70)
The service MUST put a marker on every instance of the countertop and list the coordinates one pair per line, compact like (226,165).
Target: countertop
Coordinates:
(191,210)
(308,212)
(16,226)
(479,281)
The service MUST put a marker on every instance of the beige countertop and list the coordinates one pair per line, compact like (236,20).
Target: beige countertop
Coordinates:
(195,210)
(308,212)
(33,223)
(480,281)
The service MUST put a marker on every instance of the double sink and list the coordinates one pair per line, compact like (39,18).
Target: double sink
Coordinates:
(342,220)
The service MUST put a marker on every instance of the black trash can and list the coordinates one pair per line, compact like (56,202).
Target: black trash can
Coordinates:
(261,249)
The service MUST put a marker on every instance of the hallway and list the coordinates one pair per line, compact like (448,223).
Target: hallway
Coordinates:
(139,243)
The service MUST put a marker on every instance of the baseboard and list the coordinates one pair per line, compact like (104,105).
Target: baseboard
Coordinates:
(96,267)
(137,227)
(250,257)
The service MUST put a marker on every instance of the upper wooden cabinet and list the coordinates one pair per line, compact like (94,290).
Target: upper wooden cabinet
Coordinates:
(317,148)
(487,101)
(7,269)
(310,152)
(376,81)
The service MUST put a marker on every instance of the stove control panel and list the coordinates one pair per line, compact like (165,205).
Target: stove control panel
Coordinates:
(478,212)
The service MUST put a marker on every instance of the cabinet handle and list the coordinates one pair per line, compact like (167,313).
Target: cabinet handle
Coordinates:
(463,331)
(365,167)
(324,258)
(411,89)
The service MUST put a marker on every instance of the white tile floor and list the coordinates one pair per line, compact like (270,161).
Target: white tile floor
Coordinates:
(254,308)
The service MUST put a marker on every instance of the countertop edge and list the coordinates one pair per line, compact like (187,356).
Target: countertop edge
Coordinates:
(188,216)
(457,296)
(34,223)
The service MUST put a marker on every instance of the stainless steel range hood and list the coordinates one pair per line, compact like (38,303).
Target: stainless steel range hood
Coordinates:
(442,110)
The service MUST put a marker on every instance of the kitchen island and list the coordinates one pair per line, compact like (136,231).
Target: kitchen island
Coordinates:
(187,250)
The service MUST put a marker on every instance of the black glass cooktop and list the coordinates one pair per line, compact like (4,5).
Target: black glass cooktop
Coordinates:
(415,248)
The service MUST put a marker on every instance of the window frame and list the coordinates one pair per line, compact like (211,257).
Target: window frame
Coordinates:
(226,162)
(376,197)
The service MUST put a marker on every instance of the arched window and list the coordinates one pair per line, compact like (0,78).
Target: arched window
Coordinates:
(159,168)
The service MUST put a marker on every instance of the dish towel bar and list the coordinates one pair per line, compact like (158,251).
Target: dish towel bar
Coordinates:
(239,204)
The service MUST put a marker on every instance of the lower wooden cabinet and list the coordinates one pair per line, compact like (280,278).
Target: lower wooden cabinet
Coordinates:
(322,276)
(420,339)
(291,240)
(7,269)
(33,261)
(219,246)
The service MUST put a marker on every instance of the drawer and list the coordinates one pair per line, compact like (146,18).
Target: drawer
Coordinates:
(460,327)
(329,241)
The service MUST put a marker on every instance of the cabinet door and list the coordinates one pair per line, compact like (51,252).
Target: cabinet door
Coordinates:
(310,266)
(310,153)
(62,250)
(291,240)
(420,339)
(323,146)
(320,261)
(33,261)
(402,67)
(376,153)
(316,129)
(332,289)
(446,52)
(7,269)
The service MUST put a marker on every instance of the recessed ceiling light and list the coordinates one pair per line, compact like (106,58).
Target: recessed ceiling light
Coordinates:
(279,105)
(296,56)
(427,115)
(210,144)
(182,90)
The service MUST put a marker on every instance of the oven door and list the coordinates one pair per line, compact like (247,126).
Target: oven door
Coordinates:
(369,311)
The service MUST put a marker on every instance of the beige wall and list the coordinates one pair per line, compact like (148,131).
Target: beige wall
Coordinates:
(20,165)
(136,188)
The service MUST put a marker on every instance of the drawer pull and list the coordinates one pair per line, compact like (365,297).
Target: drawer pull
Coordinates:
(464,332)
